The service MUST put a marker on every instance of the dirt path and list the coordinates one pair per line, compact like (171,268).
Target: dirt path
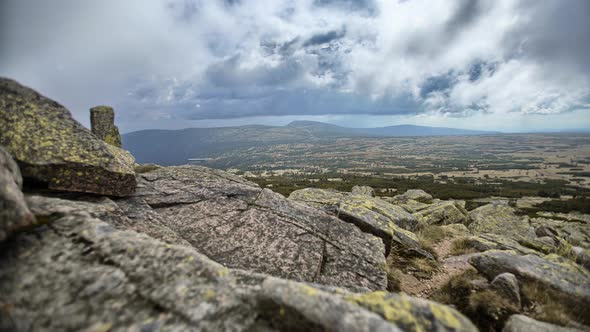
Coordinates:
(450,266)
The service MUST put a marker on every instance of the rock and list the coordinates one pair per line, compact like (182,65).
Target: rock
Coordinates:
(565,277)
(456,230)
(575,232)
(416,195)
(582,256)
(522,323)
(102,124)
(410,205)
(130,214)
(506,285)
(445,213)
(413,314)
(328,200)
(489,241)
(14,213)
(83,274)
(370,214)
(363,191)
(500,219)
(238,224)
(51,147)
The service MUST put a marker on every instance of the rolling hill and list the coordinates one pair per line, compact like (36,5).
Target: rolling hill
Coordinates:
(174,147)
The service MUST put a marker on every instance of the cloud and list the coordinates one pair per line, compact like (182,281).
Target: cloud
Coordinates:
(236,58)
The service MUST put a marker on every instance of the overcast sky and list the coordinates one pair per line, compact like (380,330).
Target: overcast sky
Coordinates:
(491,64)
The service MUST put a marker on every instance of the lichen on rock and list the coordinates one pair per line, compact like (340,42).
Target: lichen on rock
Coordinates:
(51,147)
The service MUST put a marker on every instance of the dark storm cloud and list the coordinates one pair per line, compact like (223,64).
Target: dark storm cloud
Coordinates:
(323,38)
(229,74)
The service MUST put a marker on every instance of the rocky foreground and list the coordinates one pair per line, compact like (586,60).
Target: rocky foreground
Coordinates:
(89,241)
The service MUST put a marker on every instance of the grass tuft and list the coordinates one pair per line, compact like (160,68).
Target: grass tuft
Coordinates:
(462,246)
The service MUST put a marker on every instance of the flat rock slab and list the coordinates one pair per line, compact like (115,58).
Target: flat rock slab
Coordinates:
(79,273)
(238,224)
(51,147)
(14,213)
(552,271)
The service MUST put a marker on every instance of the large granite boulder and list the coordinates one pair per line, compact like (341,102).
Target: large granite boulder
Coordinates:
(443,213)
(14,213)
(552,271)
(238,224)
(79,273)
(51,147)
(372,215)
(102,124)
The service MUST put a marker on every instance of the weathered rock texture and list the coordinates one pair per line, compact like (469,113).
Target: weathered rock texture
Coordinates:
(14,213)
(552,271)
(507,285)
(102,122)
(79,273)
(50,146)
(372,215)
(363,191)
(521,323)
(445,213)
(238,224)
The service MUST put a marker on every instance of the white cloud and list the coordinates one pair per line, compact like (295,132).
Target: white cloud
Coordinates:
(285,57)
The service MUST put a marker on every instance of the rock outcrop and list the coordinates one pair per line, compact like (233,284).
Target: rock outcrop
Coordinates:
(371,214)
(552,271)
(500,219)
(443,213)
(102,124)
(417,195)
(238,224)
(363,191)
(85,269)
(14,213)
(53,148)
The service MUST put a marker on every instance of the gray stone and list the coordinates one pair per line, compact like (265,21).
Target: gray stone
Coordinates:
(372,215)
(443,213)
(238,224)
(79,273)
(500,219)
(553,271)
(102,124)
(522,323)
(418,195)
(14,213)
(51,147)
(506,284)
(363,191)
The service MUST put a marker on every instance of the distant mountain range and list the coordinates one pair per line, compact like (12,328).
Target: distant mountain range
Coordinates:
(174,147)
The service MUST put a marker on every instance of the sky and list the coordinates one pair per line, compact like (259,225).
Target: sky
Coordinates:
(508,65)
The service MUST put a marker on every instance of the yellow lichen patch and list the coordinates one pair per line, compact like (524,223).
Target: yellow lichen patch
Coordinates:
(309,290)
(445,315)
(222,272)
(209,294)
(395,309)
